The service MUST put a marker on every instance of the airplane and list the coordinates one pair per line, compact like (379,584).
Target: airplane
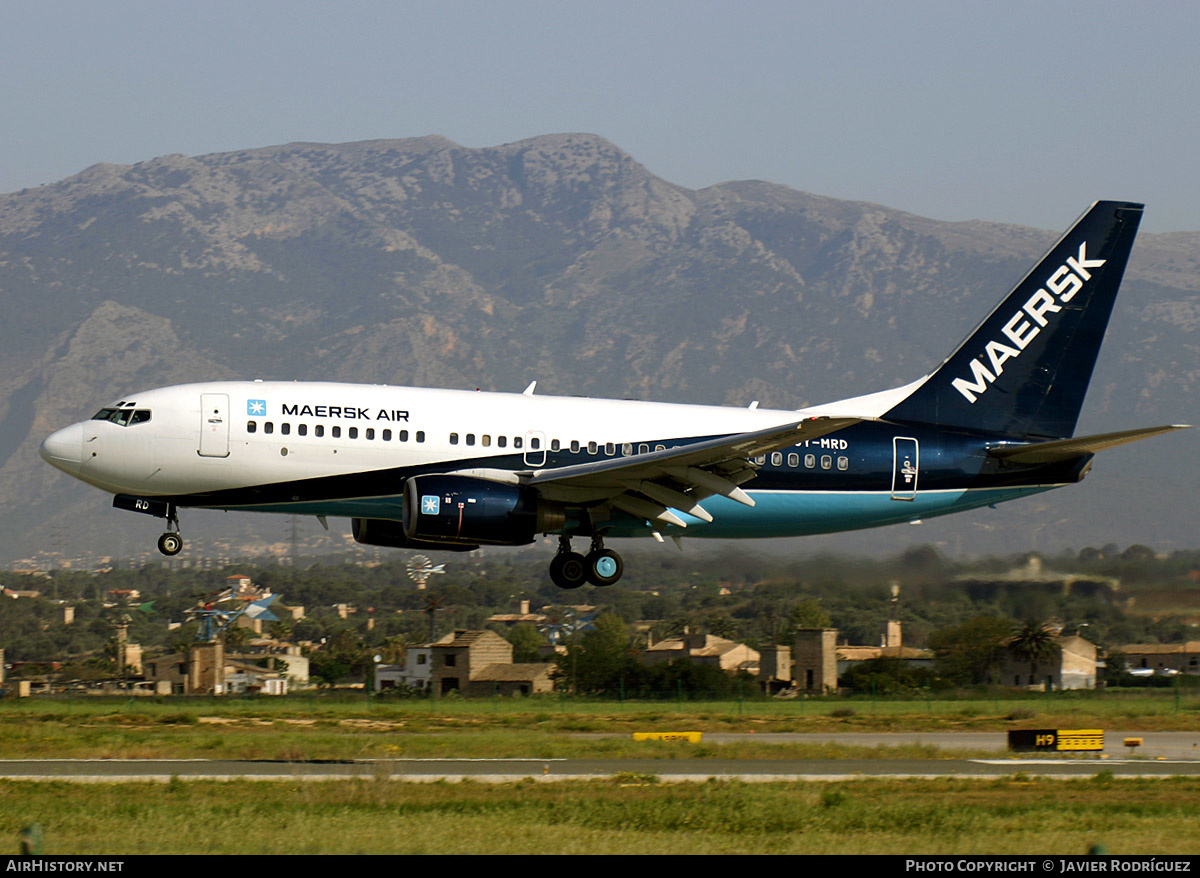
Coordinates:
(429,469)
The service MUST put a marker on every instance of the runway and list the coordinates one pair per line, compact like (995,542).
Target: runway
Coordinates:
(1155,745)
(511,770)
(1164,754)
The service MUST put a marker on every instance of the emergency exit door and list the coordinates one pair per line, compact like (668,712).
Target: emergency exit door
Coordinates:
(906,465)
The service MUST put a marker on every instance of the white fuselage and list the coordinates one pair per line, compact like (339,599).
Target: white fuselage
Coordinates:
(164,455)
(331,449)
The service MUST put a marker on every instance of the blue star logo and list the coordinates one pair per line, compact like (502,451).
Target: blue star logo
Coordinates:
(430,504)
(256,406)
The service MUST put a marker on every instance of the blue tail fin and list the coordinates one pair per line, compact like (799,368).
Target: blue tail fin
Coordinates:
(1024,371)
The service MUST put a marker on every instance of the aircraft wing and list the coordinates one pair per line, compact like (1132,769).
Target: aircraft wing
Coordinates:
(649,485)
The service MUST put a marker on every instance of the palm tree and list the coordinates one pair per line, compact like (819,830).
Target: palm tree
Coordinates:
(1034,642)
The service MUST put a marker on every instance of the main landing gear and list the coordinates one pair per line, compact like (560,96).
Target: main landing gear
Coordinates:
(600,566)
(171,543)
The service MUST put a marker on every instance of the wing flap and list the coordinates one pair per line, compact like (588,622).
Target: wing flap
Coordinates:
(650,485)
(737,449)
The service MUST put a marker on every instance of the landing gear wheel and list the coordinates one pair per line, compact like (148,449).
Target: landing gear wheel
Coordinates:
(170,543)
(604,567)
(568,570)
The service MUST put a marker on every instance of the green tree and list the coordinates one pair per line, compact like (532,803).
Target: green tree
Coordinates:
(236,637)
(1034,642)
(970,652)
(808,613)
(886,676)
(526,642)
(282,628)
(327,669)
(719,624)
(688,678)
(394,649)
(600,658)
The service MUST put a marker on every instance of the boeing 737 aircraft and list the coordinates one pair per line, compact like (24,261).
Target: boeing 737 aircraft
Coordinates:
(416,468)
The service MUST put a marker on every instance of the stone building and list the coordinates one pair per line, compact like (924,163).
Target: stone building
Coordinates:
(416,672)
(1163,658)
(1074,668)
(459,657)
(705,649)
(775,668)
(472,663)
(209,669)
(814,660)
(530,678)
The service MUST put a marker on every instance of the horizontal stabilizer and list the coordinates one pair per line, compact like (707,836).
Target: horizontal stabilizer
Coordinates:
(1065,449)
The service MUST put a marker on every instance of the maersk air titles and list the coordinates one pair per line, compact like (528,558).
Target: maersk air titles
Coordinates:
(1024,325)
(350,413)
(446,469)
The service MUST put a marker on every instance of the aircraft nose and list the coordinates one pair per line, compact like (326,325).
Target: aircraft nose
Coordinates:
(63,449)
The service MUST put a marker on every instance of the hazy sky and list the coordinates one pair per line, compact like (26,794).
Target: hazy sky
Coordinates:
(1018,111)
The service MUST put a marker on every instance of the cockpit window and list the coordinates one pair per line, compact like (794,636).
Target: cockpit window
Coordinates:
(123,417)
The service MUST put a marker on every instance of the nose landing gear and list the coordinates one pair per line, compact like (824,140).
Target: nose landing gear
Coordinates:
(171,543)
(600,566)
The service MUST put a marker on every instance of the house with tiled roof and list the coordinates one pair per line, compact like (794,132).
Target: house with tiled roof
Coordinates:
(1163,658)
(1073,668)
(522,616)
(480,663)
(706,649)
(527,678)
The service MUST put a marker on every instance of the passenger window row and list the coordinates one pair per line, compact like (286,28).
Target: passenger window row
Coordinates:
(810,461)
(535,444)
(486,440)
(370,433)
(501,441)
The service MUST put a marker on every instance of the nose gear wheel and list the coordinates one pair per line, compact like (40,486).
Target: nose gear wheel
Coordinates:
(171,543)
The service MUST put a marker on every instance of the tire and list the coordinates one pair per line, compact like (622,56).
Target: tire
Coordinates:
(568,570)
(170,544)
(604,567)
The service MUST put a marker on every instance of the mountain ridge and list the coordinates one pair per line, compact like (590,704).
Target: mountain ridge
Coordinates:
(558,258)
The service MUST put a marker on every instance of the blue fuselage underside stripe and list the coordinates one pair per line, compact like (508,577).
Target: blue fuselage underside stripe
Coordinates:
(775,513)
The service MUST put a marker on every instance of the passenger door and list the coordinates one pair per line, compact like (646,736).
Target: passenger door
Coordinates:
(535,448)
(214,425)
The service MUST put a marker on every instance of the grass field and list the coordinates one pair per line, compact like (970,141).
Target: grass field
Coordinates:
(631,815)
(338,727)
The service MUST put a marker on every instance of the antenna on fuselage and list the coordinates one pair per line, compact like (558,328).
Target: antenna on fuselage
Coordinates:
(528,391)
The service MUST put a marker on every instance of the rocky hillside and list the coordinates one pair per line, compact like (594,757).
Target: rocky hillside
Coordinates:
(558,258)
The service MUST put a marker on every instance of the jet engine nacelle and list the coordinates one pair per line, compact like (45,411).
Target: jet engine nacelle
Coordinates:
(382,532)
(462,509)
